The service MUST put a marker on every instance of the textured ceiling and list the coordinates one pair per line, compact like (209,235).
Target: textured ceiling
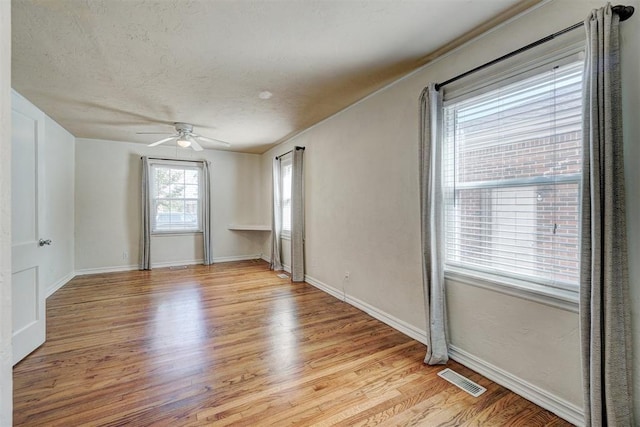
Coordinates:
(108,69)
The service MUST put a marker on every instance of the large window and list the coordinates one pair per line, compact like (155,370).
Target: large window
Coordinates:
(511,175)
(286,172)
(176,198)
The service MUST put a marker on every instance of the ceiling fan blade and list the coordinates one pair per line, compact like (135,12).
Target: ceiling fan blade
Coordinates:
(153,133)
(194,143)
(214,141)
(162,141)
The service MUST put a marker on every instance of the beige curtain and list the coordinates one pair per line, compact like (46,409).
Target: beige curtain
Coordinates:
(207,253)
(604,282)
(276,218)
(297,216)
(145,242)
(432,225)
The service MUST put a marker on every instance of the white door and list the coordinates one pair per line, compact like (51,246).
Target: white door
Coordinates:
(27,198)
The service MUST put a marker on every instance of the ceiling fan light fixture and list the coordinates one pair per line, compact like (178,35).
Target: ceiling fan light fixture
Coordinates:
(183,142)
(184,137)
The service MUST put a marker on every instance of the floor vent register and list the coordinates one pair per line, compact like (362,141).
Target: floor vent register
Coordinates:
(464,383)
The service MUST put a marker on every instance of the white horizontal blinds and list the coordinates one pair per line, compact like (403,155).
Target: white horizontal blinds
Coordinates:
(286,171)
(176,198)
(512,161)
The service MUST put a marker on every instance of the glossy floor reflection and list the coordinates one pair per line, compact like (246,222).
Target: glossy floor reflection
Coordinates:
(234,344)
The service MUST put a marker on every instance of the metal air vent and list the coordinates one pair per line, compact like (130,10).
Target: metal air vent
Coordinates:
(464,383)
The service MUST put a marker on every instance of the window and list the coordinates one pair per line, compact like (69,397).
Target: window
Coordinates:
(176,197)
(286,172)
(511,177)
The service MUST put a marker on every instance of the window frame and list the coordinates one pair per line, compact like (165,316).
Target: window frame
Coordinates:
(154,165)
(285,162)
(539,290)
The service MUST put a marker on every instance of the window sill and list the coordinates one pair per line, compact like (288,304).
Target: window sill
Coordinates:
(237,227)
(563,299)
(175,233)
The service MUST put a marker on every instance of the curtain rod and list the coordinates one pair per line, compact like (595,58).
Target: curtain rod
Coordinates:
(290,151)
(625,12)
(173,160)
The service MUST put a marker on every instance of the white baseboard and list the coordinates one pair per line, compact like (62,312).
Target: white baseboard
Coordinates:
(400,325)
(167,264)
(132,267)
(285,267)
(557,405)
(99,270)
(199,261)
(60,283)
(540,397)
(394,322)
(234,258)
(324,287)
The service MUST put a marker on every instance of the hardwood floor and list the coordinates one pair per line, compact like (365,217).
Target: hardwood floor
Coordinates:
(234,344)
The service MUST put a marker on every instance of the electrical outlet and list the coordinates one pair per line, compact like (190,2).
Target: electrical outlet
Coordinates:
(347,275)
(125,255)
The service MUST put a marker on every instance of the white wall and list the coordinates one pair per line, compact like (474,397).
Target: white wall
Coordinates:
(6,353)
(285,253)
(59,165)
(107,204)
(58,204)
(362,216)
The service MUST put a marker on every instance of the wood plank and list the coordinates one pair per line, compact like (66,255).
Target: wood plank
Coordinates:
(234,344)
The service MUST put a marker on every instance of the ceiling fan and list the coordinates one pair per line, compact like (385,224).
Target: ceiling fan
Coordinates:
(184,137)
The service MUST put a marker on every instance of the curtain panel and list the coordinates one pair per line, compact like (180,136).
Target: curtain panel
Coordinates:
(207,253)
(297,216)
(145,226)
(604,282)
(276,217)
(431,224)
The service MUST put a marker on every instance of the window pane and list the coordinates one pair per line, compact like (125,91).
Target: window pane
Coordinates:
(177,205)
(164,191)
(286,215)
(191,176)
(162,176)
(286,182)
(177,175)
(286,176)
(512,164)
(191,212)
(191,191)
(162,207)
(177,191)
(528,231)
(191,206)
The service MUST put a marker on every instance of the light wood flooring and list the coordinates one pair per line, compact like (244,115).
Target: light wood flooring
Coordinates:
(234,344)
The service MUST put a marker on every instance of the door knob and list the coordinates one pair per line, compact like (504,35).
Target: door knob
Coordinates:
(43,242)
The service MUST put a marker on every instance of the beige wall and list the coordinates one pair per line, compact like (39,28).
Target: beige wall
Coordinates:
(362,216)
(107,207)
(6,357)
(59,167)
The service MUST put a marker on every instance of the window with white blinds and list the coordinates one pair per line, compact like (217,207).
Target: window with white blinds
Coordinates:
(511,177)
